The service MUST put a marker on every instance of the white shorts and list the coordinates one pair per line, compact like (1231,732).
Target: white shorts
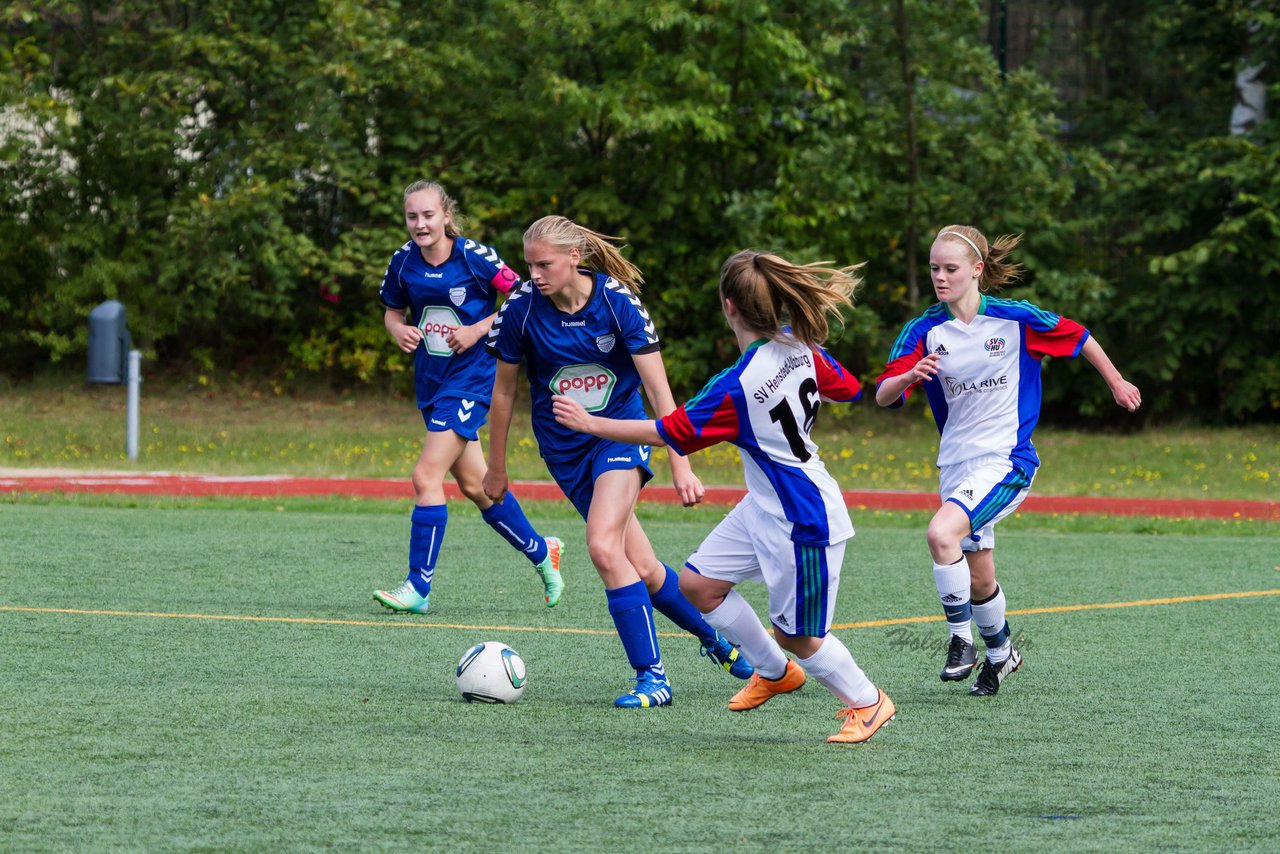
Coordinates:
(751,545)
(987,488)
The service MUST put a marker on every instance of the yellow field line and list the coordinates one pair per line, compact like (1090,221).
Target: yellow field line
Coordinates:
(1061,609)
(407,623)
(416,624)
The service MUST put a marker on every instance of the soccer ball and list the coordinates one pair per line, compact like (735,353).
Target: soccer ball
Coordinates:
(491,672)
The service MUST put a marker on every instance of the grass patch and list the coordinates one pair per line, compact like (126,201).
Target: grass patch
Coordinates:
(128,731)
(61,422)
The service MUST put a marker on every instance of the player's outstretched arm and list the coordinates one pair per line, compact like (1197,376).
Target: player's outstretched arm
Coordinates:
(1126,394)
(653,375)
(571,414)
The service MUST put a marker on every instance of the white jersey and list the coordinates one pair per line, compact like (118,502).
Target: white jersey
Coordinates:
(765,403)
(986,395)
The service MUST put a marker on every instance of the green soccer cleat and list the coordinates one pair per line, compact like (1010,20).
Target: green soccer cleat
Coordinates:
(403,598)
(549,569)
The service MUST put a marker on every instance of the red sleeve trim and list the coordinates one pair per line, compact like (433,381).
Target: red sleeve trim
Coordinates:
(1064,339)
(685,438)
(835,381)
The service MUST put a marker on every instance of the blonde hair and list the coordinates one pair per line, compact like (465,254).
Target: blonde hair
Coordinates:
(997,270)
(452,228)
(598,251)
(769,290)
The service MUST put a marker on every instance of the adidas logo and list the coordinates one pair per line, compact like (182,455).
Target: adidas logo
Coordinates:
(942,350)
(967,493)
(951,598)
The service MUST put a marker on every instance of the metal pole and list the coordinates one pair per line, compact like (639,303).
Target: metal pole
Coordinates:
(131,413)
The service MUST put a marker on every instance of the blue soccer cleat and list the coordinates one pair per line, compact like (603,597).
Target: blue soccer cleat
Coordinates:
(651,690)
(726,655)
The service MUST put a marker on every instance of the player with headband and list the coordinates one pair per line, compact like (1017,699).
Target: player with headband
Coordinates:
(978,358)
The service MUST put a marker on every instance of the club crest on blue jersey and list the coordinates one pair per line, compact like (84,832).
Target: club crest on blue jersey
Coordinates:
(605,342)
(457,295)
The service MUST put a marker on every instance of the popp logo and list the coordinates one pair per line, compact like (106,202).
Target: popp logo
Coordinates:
(436,324)
(590,385)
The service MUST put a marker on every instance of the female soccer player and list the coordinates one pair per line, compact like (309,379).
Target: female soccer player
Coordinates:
(581,330)
(789,532)
(440,291)
(979,359)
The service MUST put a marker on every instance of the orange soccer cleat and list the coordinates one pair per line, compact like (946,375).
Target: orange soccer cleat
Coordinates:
(758,689)
(861,724)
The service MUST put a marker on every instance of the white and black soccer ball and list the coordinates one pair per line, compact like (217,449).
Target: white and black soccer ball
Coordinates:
(491,672)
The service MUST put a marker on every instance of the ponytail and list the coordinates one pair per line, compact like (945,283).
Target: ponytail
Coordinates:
(598,252)
(770,291)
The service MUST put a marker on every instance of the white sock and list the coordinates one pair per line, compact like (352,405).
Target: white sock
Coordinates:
(833,666)
(990,618)
(952,581)
(734,619)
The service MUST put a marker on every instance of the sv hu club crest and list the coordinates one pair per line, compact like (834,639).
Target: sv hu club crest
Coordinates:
(605,342)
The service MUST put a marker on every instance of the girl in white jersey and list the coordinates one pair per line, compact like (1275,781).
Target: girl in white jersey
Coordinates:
(979,360)
(790,530)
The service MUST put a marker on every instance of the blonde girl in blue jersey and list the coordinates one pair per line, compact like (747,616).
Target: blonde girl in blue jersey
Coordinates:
(978,360)
(440,292)
(790,530)
(579,327)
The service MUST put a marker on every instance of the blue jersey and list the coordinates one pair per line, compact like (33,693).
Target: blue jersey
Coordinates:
(586,356)
(460,292)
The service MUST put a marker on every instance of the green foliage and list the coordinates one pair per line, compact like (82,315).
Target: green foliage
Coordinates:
(231,171)
(1177,220)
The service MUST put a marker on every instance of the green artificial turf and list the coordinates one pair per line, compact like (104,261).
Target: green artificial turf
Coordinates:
(217,677)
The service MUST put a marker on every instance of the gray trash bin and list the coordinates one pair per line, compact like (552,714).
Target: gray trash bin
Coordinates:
(109,344)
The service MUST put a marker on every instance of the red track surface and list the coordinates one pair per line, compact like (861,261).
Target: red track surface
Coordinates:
(13,480)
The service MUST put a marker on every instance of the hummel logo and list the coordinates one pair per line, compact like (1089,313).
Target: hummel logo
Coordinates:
(942,350)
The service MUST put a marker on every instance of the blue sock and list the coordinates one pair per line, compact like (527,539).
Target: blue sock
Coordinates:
(509,520)
(425,537)
(670,602)
(633,616)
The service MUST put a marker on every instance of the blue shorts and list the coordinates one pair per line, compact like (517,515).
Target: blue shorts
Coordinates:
(462,416)
(577,477)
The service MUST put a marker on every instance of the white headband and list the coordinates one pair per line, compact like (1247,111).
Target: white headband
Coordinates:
(976,250)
